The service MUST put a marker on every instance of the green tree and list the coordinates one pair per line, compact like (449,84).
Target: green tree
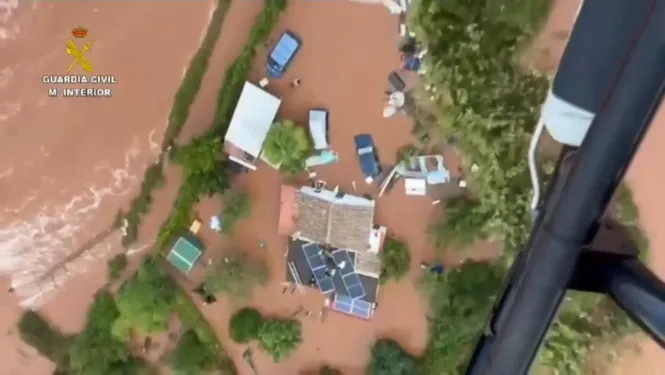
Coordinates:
(95,349)
(35,331)
(244,325)
(395,260)
(287,145)
(237,206)
(146,300)
(280,337)
(203,166)
(388,358)
(486,100)
(116,266)
(236,275)
(461,300)
(462,225)
(190,356)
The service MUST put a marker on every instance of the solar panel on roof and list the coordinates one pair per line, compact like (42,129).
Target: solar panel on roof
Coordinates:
(318,266)
(358,308)
(343,256)
(354,286)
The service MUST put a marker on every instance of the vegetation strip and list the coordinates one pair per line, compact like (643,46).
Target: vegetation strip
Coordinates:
(200,171)
(184,97)
(486,101)
(200,161)
(94,350)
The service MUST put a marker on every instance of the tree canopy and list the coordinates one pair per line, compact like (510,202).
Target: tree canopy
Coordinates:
(237,274)
(395,260)
(245,325)
(288,144)
(280,337)
(145,301)
(481,95)
(95,349)
(191,356)
(388,358)
(237,206)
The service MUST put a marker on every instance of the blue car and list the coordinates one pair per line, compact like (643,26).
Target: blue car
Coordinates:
(282,54)
(368,157)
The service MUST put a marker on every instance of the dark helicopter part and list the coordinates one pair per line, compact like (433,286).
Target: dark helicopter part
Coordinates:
(561,252)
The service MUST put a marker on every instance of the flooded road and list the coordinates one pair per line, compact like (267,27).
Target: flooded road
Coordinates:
(68,164)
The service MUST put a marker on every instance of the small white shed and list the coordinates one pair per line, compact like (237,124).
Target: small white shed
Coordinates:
(250,124)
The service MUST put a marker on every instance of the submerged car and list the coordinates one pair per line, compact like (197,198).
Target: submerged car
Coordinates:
(368,157)
(282,54)
(319,128)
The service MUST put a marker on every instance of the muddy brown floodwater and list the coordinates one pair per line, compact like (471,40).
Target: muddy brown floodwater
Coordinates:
(68,164)
(339,74)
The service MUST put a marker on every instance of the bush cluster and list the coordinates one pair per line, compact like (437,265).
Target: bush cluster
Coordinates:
(395,260)
(184,97)
(278,337)
(94,350)
(489,104)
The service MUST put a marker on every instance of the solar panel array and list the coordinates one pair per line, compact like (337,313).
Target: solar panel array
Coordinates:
(355,307)
(318,265)
(350,279)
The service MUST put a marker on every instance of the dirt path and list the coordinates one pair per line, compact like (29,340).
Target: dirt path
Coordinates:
(68,164)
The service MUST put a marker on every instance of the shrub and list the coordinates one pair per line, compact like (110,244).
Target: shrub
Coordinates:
(191,83)
(116,266)
(202,168)
(35,331)
(191,317)
(327,370)
(395,260)
(287,145)
(388,358)
(146,300)
(280,337)
(95,350)
(238,205)
(406,153)
(237,275)
(244,325)
(461,300)
(486,101)
(191,356)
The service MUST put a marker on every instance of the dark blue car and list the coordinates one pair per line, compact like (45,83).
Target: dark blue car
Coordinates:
(282,54)
(368,157)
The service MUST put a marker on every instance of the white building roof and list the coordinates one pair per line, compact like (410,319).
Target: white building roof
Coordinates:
(252,119)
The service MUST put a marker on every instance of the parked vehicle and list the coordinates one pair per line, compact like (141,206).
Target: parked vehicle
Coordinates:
(319,128)
(368,157)
(282,54)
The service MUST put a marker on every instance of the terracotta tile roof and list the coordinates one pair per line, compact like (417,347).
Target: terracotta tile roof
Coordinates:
(340,225)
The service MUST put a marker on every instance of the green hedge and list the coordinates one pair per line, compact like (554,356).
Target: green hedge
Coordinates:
(228,96)
(184,98)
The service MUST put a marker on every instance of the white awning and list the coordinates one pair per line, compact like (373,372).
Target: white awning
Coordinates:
(252,119)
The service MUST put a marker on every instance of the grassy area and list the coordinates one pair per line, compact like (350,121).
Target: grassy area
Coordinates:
(184,97)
